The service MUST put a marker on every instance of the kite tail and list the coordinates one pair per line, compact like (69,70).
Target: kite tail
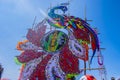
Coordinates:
(94,40)
(94,51)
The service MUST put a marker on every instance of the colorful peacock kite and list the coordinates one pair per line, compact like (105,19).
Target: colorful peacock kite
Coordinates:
(55,54)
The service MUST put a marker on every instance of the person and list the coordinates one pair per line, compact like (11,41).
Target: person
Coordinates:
(1,71)
(112,78)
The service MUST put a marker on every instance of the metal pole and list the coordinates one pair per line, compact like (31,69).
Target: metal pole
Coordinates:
(84,67)
(92,69)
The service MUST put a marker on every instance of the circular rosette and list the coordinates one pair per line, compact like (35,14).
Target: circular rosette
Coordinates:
(54,41)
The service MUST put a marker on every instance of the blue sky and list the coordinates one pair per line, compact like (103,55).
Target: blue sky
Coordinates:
(16,16)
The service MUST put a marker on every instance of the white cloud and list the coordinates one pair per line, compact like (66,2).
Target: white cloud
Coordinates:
(23,5)
(20,6)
